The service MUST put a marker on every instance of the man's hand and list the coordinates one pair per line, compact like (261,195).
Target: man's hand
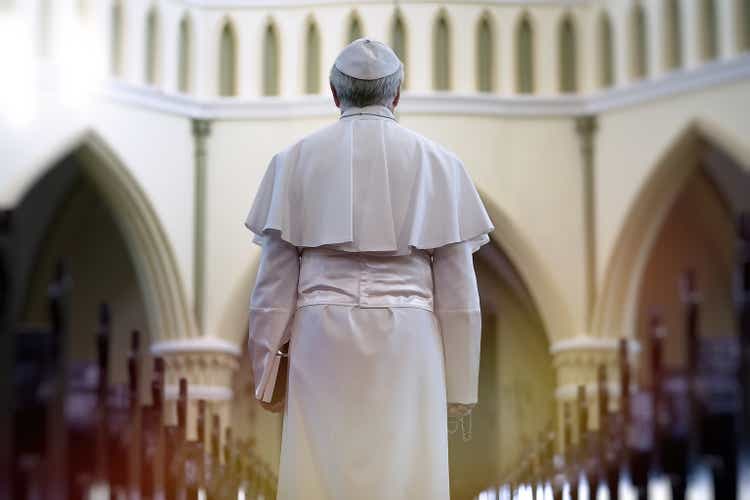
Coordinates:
(459,409)
(273,407)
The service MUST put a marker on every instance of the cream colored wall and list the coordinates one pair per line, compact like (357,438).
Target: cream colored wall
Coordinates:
(155,148)
(527,182)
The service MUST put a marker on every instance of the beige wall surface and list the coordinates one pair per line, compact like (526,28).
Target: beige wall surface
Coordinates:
(154,148)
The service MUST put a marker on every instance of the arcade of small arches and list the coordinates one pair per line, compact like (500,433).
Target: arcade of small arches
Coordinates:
(517,50)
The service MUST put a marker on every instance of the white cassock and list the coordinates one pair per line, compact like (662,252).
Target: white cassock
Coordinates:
(367,232)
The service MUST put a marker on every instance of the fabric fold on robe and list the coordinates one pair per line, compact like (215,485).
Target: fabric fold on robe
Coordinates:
(272,306)
(386,188)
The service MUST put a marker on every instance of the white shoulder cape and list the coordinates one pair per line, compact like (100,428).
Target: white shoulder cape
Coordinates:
(367,184)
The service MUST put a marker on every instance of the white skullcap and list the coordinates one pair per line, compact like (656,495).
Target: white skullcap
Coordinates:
(367,59)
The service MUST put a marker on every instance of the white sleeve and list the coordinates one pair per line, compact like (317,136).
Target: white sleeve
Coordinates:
(456,302)
(272,305)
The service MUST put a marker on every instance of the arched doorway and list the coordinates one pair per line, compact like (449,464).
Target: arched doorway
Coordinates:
(700,160)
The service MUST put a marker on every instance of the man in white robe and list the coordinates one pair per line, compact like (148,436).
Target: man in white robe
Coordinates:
(368,231)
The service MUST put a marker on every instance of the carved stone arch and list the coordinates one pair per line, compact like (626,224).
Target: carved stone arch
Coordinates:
(638,35)
(186,43)
(118,28)
(154,45)
(398,34)
(605,37)
(312,50)
(546,296)
(442,47)
(169,315)
(228,50)
(569,47)
(272,63)
(354,27)
(525,53)
(672,38)
(709,30)
(615,315)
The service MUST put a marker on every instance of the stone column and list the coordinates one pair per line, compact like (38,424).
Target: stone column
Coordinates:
(577,363)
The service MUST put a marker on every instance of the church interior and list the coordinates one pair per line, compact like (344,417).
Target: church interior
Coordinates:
(608,139)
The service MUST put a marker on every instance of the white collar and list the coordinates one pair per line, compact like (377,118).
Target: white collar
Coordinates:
(371,110)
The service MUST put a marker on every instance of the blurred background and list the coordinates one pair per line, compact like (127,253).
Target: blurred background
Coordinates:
(609,140)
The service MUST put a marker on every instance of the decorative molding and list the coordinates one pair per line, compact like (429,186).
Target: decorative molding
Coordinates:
(194,345)
(586,127)
(195,391)
(249,4)
(439,103)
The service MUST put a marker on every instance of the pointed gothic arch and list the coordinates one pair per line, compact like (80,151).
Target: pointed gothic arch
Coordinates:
(485,54)
(742,10)
(672,34)
(616,309)
(399,42)
(606,51)
(709,31)
(116,40)
(355,30)
(568,56)
(441,47)
(638,42)
(228,60)
(168,313)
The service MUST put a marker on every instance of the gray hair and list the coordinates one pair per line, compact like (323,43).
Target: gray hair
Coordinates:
(360,93)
